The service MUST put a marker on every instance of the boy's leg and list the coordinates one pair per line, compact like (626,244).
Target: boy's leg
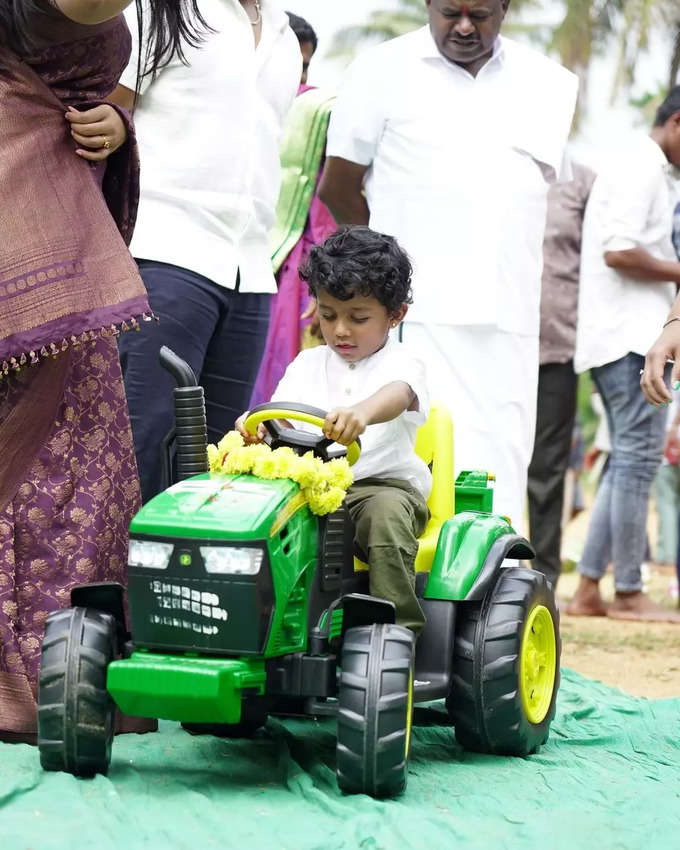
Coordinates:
(388,517)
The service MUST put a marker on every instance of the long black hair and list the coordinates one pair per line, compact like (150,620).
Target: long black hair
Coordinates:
(172,25)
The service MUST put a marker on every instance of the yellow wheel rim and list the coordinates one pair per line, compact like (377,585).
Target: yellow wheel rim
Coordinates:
(538,664)
(409,714)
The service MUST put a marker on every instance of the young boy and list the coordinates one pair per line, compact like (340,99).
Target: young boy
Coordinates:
(373,389)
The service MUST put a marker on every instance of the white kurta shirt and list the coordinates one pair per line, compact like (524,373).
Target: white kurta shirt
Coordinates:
(458,171)
(208,135)
(630,206)
(321,378)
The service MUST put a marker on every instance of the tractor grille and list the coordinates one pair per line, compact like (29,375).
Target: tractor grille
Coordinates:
(184,608)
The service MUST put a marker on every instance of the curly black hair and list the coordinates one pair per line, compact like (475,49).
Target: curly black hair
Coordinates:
(358,261)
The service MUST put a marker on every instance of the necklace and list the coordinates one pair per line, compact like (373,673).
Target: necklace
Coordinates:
(258,9)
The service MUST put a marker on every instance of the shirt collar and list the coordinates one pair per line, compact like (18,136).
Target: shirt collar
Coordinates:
(667,166)
(428,50)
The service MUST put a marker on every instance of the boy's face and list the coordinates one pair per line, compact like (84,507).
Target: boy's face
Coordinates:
(356,328)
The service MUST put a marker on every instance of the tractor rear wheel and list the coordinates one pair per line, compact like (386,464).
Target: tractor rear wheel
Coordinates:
(375,703)
(506,666)
(75,711)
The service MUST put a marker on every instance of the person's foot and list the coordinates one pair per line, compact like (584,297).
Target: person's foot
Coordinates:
(638,606)
(587,601)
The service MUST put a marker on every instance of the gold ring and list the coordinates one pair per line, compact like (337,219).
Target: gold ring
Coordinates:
(107,144)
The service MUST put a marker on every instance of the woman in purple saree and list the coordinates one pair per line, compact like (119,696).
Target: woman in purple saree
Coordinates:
(68,286)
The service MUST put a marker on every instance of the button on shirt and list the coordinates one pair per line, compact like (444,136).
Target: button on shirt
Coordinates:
(208,137)
(321,378)
(457,170)
(630,206)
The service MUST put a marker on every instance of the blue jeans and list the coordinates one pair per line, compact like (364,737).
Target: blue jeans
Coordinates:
(618,524)
(219,332)
(667,497)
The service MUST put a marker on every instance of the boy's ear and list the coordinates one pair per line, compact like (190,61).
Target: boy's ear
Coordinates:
(399,314)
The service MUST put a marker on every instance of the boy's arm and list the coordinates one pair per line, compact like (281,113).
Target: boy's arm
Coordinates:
(344,424)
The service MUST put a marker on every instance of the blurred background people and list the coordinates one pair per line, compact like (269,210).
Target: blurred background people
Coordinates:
(629,276)
(557,381)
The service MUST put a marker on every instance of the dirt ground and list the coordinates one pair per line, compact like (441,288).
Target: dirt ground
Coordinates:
(641,659)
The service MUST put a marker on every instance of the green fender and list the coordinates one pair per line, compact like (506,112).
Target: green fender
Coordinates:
(470,549)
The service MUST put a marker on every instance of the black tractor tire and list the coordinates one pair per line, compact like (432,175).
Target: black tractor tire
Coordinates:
(375,703)
(488,700)
(75,711)
(254,716)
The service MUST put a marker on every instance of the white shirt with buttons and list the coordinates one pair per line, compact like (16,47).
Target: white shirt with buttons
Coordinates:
(459,168)
(321,378)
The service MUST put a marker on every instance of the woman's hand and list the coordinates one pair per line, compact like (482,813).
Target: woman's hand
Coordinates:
(667,347)
(100,131)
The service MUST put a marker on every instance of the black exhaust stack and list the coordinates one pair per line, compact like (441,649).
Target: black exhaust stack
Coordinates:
(191,431)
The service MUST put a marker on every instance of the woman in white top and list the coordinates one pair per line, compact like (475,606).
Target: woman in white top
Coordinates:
(208,131)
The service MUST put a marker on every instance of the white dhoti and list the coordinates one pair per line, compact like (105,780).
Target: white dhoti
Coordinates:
(488,380)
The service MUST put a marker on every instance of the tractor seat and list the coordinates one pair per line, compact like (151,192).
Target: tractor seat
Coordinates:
(434,445)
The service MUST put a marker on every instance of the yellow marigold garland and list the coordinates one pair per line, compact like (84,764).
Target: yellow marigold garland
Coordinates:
(323,484)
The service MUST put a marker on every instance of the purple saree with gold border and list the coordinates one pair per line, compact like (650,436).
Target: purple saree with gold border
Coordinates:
(68,477)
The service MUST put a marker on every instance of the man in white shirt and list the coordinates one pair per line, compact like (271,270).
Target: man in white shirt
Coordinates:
(208,133)
(629,276)
(454,135)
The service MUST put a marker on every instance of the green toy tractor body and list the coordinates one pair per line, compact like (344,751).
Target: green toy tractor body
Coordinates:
(243,603)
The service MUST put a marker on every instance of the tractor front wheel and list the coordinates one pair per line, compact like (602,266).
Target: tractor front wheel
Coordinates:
(375,703)
(75,711)
(506,666)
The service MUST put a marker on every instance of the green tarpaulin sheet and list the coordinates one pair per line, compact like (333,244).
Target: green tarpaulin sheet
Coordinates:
(608,778)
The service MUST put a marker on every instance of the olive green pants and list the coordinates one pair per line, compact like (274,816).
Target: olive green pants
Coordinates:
(389,515)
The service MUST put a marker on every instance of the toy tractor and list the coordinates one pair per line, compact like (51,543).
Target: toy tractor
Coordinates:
(242,603)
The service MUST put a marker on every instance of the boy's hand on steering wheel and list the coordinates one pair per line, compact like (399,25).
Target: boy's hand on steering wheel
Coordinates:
(344,424)
(249,438)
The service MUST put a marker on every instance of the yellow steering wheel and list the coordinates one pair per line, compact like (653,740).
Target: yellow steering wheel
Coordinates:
(299,441)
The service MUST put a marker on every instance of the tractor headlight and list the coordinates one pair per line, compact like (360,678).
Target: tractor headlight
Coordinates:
(149,554)
(232,560)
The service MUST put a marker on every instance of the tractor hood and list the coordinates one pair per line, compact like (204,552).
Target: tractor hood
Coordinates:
(216,506)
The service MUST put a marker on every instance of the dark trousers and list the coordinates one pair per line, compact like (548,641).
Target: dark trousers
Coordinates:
(557,384)
(389,515)
(219,332)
